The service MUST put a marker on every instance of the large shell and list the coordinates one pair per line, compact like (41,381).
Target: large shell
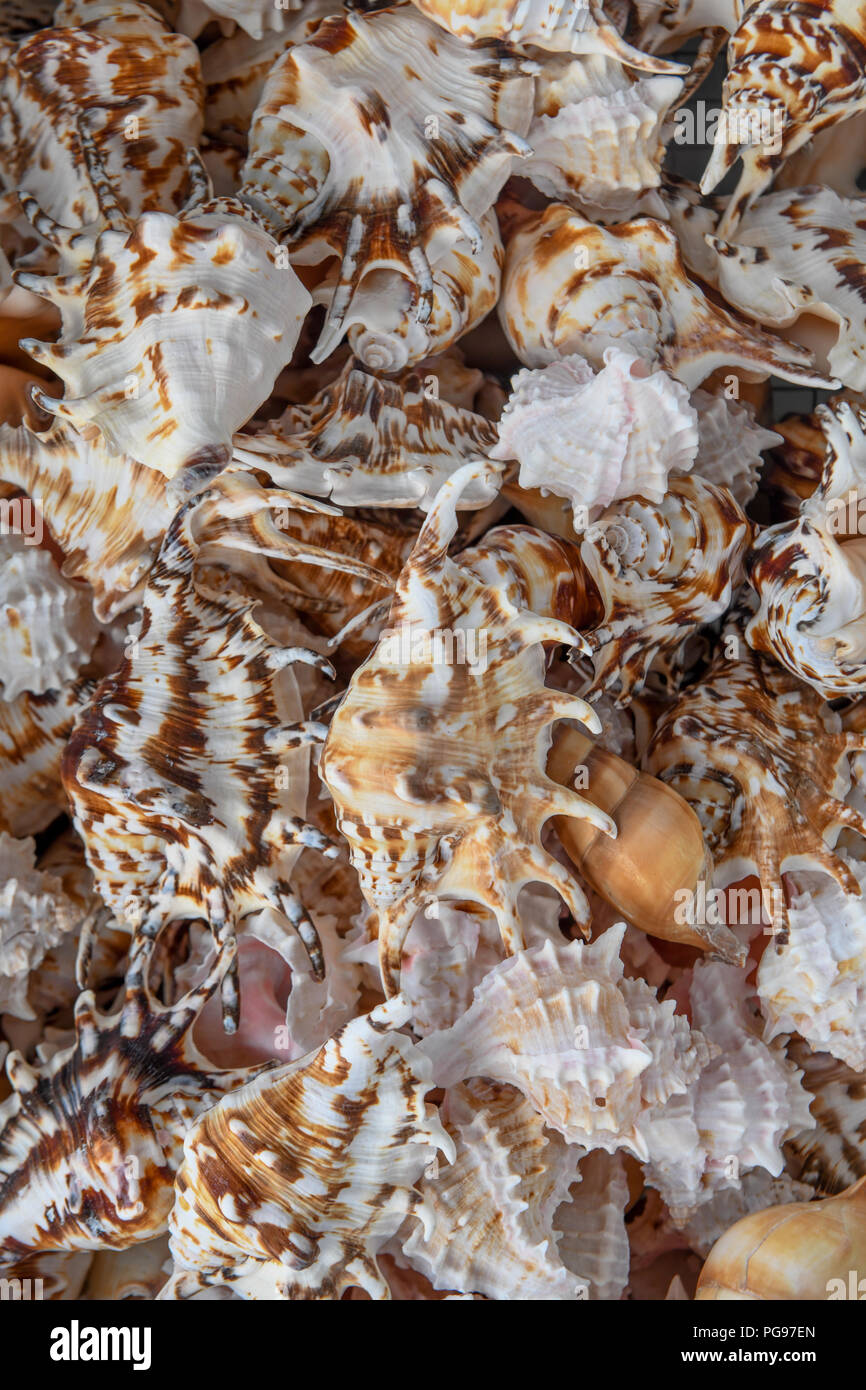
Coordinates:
(140,87)
(793,259)
(176,771)
(355,152)
(764,762)
(573,287)
(596,1054)
(791,73)
(436,758)
(290,1185)
(810,574)
(512,1176)
(47,628)
(596,437)
(369,441)
(155,313)
(596,134)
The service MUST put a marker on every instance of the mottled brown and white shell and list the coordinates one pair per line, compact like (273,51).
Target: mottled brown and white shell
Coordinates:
(34,731)
(135,84)
(371,441)
(290,1185)
(155,312)
(573,287)
(810,573)
(355,153)
(436,757)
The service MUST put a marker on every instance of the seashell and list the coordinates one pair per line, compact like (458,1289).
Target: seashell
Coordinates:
(660,25)
(106,512)
(183,800)
(592,1235)
(34,915)
(764,763)
(572,287)
(568,26)
(756,1191)
(152,366)
(369,441)
(829,158)
(447,952)
(730,444)
(92,62)
(47,628)
(797,72)
(596,437)
(344,156)
(54,1275)
(804,1251)
(595,1053)
(809,573)
(512,1175)
(134,1273)
(791,264)
(81,1122)
(659,570)
(829,1157)
(34,730)
(423,825)
(814,985)
(596,133)
(291,1184)
(255,17)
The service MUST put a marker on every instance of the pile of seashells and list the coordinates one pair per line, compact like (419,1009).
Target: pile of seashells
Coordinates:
(433,720)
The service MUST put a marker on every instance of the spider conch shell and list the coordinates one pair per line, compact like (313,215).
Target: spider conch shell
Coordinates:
(596,1054)
(572,287)
(370,441)
(564,26)
(815,984)
(35,914)
(792,263)
(436,758)
(512,1175)
(594,437)
(91,61)
(290,1185)
(659,569)
(47,628)
(810,574)
(796,71)
(596,134)
(811,1251)
(106,512)
(34,731)
(191,803)
(829,1157)
(81,1121)
(152,365)
(344,155)
(740,746)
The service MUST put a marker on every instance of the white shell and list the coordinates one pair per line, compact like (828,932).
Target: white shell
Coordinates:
(47,628)
(730,444)
(34,915)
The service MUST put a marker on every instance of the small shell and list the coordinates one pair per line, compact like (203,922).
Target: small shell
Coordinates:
(790,75)
(135,1273)
(511,1176)
(810,574)
(91,62)
(47,628)
(596,1054)
(573,287)
(811,1251)
(596,134)
(815,984)
(369,441)
(155,368)
(291,1184)
(34,916)
(345,156)
(595,437)
(590,1226)
(793,258)
(436,757)
(731,444)
(764,762)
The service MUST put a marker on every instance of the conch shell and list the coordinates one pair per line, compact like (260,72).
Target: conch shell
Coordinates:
(811,1251)
(572,287)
